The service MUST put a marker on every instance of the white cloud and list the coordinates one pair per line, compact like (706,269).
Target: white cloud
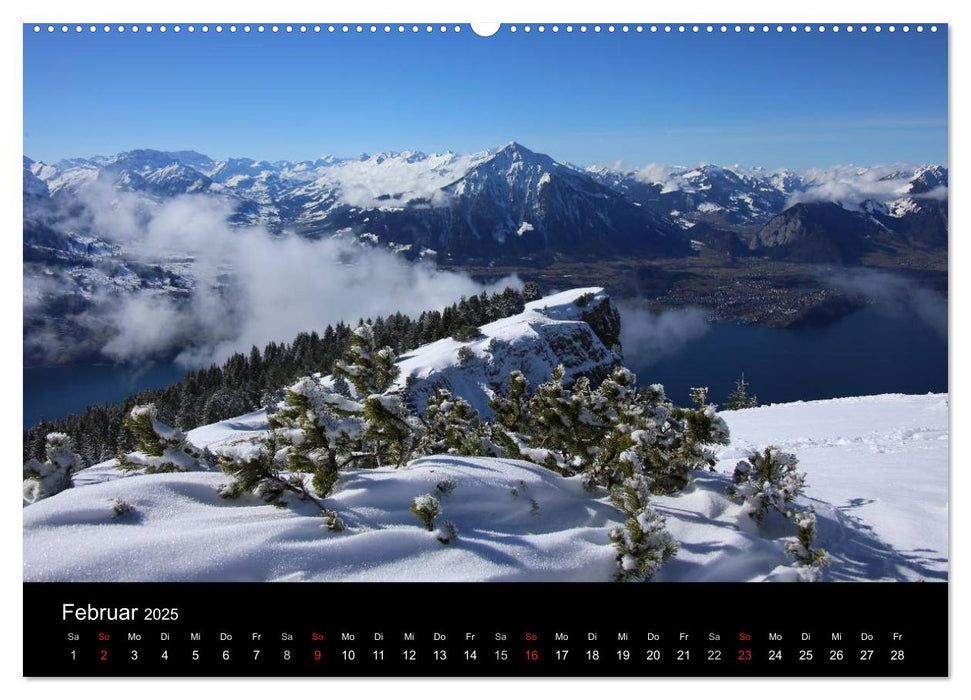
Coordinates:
(651,336)
(851,185)
(276,286)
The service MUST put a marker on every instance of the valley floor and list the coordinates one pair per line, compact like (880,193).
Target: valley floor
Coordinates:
(776,293)
(877,474)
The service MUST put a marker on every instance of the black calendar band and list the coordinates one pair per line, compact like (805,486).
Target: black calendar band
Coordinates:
(485,629)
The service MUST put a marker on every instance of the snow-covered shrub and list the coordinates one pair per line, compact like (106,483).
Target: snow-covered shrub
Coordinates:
(333,522)
(651,436)
(633,495)
(643,544)
(765,480)
(159,448)
(368,368)
(446,533)
(810,561)
(391,432)
(466,333)
(53,475)
(465,355)
(316,431)
(567,423)
(608,433)
(699,396)
(426,508)
(120,508)
(446,486)
(449,426)
(511,410)
(313,434)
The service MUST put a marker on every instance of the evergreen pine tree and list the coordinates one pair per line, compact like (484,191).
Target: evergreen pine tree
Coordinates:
(765,480)
(564,422)
(643,544)
(739,398)
(368,368)
(811,561)
(390,431)
(450,425)
(648,435)
(511,410)
(531,292)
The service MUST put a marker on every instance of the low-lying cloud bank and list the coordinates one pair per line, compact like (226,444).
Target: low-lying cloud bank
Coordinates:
(247,286)
(894,294)
(852,186)
(650,336)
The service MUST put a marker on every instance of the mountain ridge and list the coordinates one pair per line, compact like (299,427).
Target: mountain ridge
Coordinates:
(510,202)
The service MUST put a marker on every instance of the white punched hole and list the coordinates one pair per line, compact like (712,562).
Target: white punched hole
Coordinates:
(485,28)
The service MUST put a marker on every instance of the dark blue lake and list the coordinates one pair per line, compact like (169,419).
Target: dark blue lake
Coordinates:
(868,352)
(55,392)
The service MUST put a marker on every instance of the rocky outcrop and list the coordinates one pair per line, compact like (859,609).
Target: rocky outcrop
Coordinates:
(578,329)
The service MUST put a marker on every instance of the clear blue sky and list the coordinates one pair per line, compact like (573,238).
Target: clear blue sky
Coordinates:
(796,100)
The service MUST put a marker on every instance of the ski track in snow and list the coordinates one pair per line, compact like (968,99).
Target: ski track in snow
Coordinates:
(876,469)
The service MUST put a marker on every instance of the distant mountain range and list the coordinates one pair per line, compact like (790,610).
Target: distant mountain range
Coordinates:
(513,205)
(88,242)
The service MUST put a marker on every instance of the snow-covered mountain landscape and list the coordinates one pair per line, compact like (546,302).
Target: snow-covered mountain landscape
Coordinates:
(109,237)
(875,473)
(496,204)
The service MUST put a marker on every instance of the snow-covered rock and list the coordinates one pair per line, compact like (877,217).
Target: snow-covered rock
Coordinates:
(549,332)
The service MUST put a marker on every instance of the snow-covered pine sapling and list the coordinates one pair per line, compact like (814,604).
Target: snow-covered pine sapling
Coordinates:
(450,425)
(332,521)
(314,433)
(810,560)
(158,447)
(54,474)
(699,396)
(446,533)
(632,496)
(565,423)
(740,398)
(368,368)
(446,486)
(391,432)
(120,508)
(767,479)
(426,508)
(648,435)
(643,544)
(510,423)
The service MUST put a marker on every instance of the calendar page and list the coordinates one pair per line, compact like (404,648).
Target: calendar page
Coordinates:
(448,349)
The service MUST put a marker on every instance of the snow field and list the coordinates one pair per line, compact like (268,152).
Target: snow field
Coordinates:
(876,469)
